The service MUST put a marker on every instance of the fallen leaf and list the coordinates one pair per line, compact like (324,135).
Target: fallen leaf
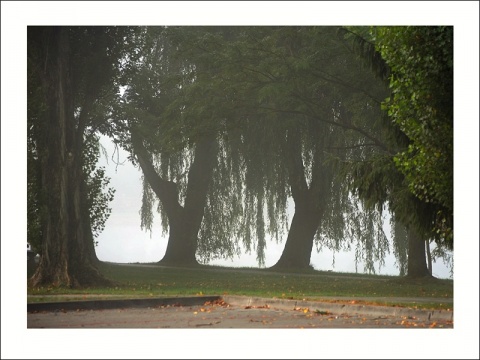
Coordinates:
(320,312)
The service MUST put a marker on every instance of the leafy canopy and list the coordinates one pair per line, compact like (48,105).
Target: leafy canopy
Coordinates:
(421,104)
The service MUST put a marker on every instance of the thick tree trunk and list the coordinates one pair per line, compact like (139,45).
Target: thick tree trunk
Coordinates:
(307,216)
(180,247)
(184,222)
(82,256)
(417,266)
(298,248)
(66,254)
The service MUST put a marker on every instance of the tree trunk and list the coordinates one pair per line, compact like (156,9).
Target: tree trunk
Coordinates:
(417,266)
(429,256)
(82,256)
(307,216)
(66,254)
(298,248)
(184,222)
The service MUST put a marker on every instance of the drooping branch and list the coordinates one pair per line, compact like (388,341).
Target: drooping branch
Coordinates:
(165,190)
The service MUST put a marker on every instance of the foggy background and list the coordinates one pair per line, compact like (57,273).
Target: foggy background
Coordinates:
(123,241)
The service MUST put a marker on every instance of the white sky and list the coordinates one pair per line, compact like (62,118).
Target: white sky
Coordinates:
(19,342)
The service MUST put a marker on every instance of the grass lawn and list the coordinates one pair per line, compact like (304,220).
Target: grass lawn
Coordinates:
(146,280)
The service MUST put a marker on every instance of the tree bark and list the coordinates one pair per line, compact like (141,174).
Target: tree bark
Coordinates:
(299,244)
(66,252)
(184,221)
(429,256)
(417,266)
(308,210)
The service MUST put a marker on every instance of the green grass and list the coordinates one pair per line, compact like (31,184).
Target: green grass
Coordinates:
(146,280)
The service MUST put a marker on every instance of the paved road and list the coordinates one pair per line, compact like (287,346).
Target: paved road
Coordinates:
(229,312)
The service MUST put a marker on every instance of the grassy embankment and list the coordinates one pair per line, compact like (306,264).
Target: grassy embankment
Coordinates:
(151,280)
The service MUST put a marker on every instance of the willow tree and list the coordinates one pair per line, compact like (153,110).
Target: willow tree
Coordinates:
(412,72)
(176,125)
(300,107)
(281,103)
(264,102)
(72,71)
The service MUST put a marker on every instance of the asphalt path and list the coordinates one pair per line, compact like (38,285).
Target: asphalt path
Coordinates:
(239,312)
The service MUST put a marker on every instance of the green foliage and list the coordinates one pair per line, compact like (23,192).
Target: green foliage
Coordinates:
(383,179)
(400,245)
(95,55)
(99,195)
(146,214)
(421,60)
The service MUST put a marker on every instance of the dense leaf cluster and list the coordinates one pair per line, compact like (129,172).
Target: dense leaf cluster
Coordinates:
(421,104)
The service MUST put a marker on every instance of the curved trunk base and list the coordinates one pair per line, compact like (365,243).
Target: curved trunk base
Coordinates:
(298,248)
(179,262)
(422,275)
(88,276)
(290,265)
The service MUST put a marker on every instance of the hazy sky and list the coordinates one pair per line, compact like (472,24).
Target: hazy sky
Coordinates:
(123,241)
